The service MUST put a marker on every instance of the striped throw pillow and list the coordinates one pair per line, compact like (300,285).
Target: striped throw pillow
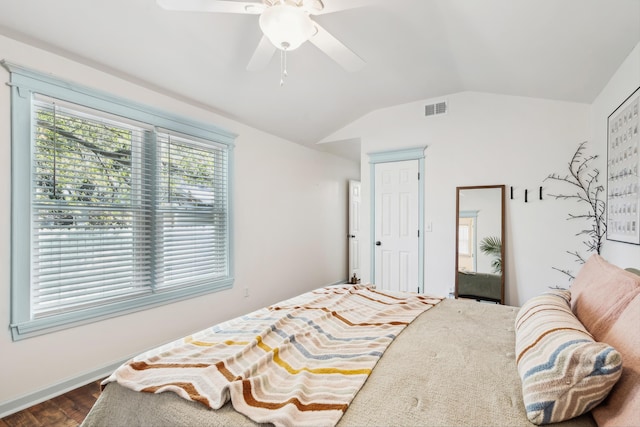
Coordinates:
(564,371)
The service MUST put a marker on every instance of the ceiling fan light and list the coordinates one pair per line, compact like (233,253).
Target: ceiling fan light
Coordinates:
(286,26)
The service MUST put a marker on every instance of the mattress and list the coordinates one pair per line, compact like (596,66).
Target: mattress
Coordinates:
(454,365)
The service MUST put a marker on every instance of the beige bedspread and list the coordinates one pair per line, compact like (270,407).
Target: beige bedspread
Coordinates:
(453,366)
(299,362)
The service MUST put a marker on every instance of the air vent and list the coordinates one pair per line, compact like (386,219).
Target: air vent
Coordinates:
(435,109)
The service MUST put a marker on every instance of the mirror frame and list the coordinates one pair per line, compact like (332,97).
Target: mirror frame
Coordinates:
(502,229)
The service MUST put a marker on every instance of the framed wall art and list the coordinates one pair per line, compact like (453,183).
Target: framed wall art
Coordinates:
(623,171)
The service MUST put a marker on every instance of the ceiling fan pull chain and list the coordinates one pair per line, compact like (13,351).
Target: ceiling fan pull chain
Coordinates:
(283,66)
(285,63)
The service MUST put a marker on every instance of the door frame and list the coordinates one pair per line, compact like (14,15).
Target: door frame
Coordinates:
(351,233)
(399,155)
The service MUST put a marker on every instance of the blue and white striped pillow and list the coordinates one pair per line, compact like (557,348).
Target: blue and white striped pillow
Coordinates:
(564,371)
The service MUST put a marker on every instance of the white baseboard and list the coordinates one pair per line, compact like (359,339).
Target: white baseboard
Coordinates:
(28,400)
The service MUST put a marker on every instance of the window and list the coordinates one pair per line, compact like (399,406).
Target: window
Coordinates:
(467,258)
(116,206)
(464,240)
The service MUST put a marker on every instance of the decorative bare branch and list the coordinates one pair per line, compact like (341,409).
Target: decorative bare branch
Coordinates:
(122,156)
(584,179)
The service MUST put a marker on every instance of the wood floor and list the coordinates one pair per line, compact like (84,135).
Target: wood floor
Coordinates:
(67,410)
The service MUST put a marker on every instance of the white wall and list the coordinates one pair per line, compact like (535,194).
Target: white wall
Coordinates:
(621,85)
(290,227)
(486,139)
(494,139)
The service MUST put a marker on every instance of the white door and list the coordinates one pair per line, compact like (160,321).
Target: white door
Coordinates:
(354,228)
(396,226)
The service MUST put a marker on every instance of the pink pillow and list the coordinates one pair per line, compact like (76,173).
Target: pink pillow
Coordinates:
(600,293)
(622,406)
(606,299)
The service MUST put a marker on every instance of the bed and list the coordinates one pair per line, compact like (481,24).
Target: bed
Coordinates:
(453,365)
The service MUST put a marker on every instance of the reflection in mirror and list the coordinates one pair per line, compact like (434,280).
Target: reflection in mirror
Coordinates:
(479,243)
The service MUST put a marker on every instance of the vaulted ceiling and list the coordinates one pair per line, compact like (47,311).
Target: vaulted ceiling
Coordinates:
(413,49)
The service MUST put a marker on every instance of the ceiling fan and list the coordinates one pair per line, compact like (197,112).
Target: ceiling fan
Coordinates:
(285,24)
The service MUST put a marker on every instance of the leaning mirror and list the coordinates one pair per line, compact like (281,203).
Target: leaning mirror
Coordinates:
(480,243)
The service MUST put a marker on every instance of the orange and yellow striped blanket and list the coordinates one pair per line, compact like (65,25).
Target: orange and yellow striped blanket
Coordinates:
(299,362)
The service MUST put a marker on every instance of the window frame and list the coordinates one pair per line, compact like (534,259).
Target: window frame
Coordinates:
(472,240)
(25,83)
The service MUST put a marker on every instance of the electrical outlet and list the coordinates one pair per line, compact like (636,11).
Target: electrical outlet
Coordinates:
(246,292)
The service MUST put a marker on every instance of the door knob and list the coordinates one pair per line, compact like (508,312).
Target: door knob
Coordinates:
(378,243)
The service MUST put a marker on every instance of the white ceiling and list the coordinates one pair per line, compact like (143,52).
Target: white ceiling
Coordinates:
(414,49)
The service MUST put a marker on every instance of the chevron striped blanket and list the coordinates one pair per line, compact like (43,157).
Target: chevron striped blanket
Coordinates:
(299,362)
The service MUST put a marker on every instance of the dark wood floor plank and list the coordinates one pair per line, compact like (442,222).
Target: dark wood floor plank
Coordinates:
(22,419)
(82,398)
(70,408)
(67,410)
(48,413)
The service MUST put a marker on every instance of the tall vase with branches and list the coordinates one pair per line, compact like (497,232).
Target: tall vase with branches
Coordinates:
(583,180)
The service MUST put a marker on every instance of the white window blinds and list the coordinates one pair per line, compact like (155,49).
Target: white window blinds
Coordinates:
(91,201)
(116,206)
(190,220)
(120,210)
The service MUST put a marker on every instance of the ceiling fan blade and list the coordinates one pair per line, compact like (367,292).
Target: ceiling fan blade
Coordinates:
(262,55)
(311,6)
(330,45)
(331,6)
(223,6)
